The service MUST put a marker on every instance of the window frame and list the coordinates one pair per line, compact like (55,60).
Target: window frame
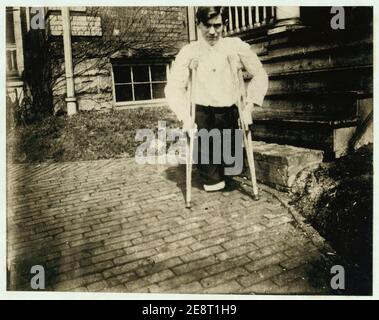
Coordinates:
(131,64)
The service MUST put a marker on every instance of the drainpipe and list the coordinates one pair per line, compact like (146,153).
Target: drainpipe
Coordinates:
(70,99)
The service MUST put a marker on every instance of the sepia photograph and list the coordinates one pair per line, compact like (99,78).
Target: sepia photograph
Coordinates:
(189,150)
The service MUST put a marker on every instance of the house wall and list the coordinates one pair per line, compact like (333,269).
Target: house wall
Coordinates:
(93,85)
(142,28)
(320,79)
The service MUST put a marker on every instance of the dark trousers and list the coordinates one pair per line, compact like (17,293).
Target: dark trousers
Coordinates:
(215,118)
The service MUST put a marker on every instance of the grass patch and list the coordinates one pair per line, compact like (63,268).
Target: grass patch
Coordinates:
(337,199)
(85,136)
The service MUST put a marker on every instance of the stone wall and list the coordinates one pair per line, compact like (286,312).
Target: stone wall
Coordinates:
(93,85)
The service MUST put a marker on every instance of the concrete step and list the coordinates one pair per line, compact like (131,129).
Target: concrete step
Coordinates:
(278,165)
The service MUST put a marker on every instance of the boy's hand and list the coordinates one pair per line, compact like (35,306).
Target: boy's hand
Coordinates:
(188,125)
(247,114)
(194,63)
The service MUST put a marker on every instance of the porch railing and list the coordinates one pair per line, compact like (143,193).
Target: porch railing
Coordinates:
(247,18)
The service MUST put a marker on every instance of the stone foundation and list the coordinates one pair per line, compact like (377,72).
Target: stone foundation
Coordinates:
(278,165)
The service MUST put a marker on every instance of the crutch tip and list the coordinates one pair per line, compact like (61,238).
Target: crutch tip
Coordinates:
(188,205)
(256,197)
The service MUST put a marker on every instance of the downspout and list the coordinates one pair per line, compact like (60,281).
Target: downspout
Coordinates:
(70,99)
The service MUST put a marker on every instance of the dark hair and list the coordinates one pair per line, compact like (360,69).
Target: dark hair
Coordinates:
(203,14)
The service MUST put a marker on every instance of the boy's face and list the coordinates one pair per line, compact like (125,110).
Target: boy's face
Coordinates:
(212,30)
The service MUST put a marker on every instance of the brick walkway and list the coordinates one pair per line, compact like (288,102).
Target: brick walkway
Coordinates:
(113,225)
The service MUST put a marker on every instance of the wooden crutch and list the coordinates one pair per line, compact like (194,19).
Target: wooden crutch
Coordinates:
(191,133)
(247,139)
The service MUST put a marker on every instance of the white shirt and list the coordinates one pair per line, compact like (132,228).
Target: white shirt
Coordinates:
(214,85)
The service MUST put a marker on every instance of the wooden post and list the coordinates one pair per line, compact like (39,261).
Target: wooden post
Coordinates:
(70,99)
(286,18)
(192,28)
(287,15)
(18,39)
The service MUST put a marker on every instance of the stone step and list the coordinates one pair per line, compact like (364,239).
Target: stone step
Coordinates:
(330,137)
(278,165)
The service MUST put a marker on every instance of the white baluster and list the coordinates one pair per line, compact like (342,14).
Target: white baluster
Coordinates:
(243,22)
(264,15)
(257,23)
(273,13)
(230,20)
(250,17)
(237,19)
(12,61)
(27,11)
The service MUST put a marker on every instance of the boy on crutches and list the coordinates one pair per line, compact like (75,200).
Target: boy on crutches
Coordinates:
(214,90)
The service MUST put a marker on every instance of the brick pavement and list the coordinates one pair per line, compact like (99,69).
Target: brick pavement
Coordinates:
(113,225)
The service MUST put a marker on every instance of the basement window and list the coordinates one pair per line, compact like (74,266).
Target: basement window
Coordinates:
(139,82)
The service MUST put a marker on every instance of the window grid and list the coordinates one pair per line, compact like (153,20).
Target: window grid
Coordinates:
(132,82)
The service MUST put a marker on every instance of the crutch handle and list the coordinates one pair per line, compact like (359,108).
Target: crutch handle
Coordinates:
(235,63)
(194,63)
